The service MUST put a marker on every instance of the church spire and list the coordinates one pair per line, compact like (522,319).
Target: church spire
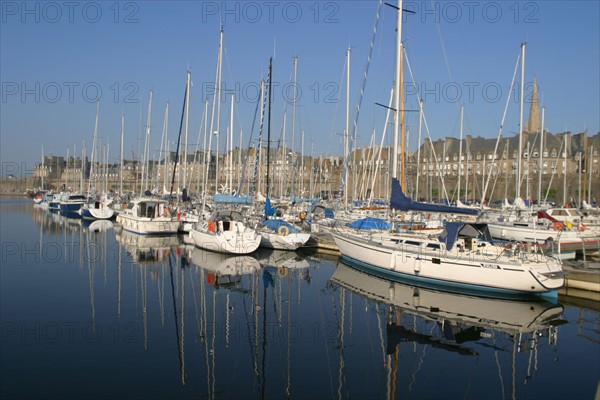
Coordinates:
(533,123)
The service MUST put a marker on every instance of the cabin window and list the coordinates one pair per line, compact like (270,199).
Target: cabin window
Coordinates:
(434,246)
(436,260)
(412,243)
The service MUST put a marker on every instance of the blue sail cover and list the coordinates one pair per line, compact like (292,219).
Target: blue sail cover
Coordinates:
(230,199)
(370,223)
(269,211)
(454,229)
(400,202)
(275,224)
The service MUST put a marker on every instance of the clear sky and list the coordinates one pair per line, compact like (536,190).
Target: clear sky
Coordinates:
(58,58)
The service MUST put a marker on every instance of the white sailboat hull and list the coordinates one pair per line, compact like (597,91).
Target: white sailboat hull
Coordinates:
(564,241)
(451,269)
(148,226)
(238,240)
(292,241)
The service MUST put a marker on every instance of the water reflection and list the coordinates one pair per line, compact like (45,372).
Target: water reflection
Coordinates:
(418,319)
(270,325)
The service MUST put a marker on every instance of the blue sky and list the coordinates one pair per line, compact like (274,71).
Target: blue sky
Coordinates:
(57,58)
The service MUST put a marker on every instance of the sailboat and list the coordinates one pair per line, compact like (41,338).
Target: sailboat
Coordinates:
(226,231)
(276,233)
(461,258)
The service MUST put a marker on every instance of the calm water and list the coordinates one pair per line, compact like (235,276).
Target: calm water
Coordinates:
(88,311)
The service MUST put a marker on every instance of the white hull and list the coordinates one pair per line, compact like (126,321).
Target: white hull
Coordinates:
(148,226)
(453,269)
(239,239)
(102,212)
(564,241)
(292,241)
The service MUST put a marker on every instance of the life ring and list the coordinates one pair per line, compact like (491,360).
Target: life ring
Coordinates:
(581,227)
(302,216)
(558,226)
(569,224)
(211,226)
(283,230)
(282,272)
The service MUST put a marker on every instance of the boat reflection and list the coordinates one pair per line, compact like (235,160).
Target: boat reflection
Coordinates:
(459,324)
(222,270)
(512,317)
(145,248)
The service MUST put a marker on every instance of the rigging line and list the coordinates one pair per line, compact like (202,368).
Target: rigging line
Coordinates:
(439,31)
(425,123)
(337,101)
(351,137)
(510,90)
(243,178)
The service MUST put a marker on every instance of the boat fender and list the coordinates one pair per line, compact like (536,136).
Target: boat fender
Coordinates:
(283,230)
(558,226)
(581,227)
(211,279)
(211,226)
(569,225)
(178,215)
(282,272)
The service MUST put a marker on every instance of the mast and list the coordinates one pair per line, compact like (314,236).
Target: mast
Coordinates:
(565,171)
(269,125)
(187,123)
(521,100)
(230,151)
(302,164)
(219,81)
(347,130)
(541,156)
(294,124)
(93,148)
(397,84)
(462,114)
(185,105)
(42,168)
(589,166)
(121,156)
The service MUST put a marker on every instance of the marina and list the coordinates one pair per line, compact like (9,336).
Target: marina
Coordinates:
(270,324)
(304,205)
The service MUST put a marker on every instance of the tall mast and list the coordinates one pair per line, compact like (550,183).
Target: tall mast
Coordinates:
(462,111)
(294,124)
(187,123)
(92,171)
(521,99)
(219,81)
(230,151)
(565,171)
(397,84)
(541,156)
(589,166)
(269,124)
(121,156)
(347,130)
(302,164)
